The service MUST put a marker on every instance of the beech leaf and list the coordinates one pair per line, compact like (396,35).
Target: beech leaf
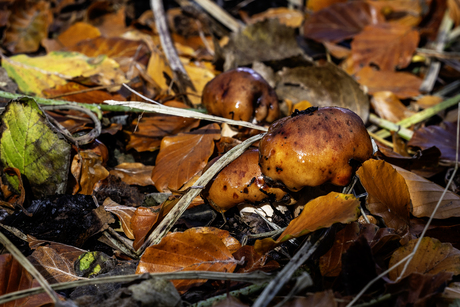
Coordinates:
(187,251)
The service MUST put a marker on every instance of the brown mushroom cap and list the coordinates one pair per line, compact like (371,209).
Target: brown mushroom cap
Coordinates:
(241,94)
(241,181)
(314,146)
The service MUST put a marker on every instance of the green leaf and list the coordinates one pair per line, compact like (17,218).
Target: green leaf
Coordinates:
(28,142)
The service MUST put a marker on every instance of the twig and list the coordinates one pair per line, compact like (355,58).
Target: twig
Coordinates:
(142,106)
(438,54)
(180,74)
(253,277)
(383,123)
(219,14)
(168,222)
(29,267)
(422,115)
(285,274)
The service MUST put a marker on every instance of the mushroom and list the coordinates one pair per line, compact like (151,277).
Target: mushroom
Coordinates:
(314,146)
(241,94)
(241,181)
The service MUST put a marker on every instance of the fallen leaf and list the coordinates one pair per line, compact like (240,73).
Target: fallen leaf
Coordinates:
(443,137)
(230,242)
(323,85)
(186,154)
(77,32)
(254,261)
(432,257)
(200,76)
(319,213)
(428,101)
(285,16)
(187,251)
(337,51)
(388,194)
(13,277)
(389,46)
(426,194)
(157,68)
(316,5)
(151,128)
(454,10)
(30,144)
(107,17)
(124,214)
(28,24)
(402,84)
(82,94)
(33,75)
(142,222)
(389,107)
(416,288)
(88,171)
(134,173)
(70,253)
(52,265)
(340,21)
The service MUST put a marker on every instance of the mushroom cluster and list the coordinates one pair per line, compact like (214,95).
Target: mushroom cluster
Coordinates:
(241,94)
(241,181)
(314,146)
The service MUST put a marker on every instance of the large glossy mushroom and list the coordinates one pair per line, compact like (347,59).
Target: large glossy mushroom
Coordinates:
(241,182)
(313,147)
(241,94)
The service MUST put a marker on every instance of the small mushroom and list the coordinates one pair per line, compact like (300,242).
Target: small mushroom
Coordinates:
(314,146)
(241,94)
(241,181)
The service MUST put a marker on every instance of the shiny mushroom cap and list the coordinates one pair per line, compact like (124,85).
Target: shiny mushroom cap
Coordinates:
(313,147)
(241,181)
(241,94)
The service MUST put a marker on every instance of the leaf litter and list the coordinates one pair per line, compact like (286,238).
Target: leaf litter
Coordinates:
(121,210)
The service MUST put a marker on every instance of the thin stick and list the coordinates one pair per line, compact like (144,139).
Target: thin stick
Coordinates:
(29,267)
(383,123)
(168,222)
(285,274)
(219,14)
(180,74)
(142,106)
(253,277)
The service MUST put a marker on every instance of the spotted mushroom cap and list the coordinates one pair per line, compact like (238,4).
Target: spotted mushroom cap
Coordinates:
(313,147)
(241,181)
(241,94)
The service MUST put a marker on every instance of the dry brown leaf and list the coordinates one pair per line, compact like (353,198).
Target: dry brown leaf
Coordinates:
(28,24)
(454,10)
(402,84)
(182,156)
(187,251)
(71,253)
(389,46)
(77,32)
(340,21)
(428,101)
(124,214)
(199,75)
(88,171)
(53,266)
(142,222)
(444,137)
(426,194)
(388,195)
(151,128)
(316,5)
(230,242)
(337,51)
(134,173)
(254,261)
(112,23)
(432,257)
(286,16)
(389,107)
(88,96)
(157,68)
(13,277)
(319,213)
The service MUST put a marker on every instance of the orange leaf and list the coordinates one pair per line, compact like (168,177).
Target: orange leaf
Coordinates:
(142,222)
(151,128)
(286,16)
(389,46)
(134,173)
(88,171)
(431,257)
(319,213)
(13,277)
(183,156)
(388,194)
(316,5)
(124,214)
(27,25)
(402,84)
(389,107)
(77,32)
(230,242)
(426,194)
(187,251)
(341,21)
(254,261)
(85,97)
